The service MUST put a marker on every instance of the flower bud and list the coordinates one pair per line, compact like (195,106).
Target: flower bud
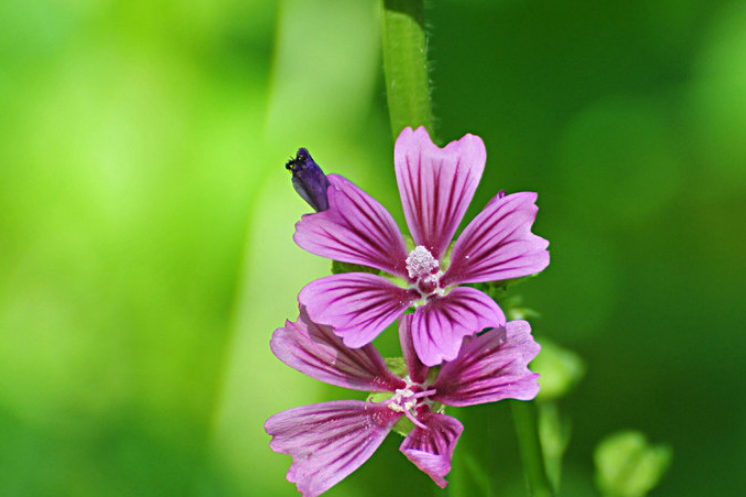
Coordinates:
(309,180)
(627,465)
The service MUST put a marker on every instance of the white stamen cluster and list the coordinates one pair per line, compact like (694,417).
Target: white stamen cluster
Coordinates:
(421,262)
(400,403)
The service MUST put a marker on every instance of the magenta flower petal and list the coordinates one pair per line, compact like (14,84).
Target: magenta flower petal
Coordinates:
(498,244)
(328,441)
(491,367)
(436,185)
(358,306)
(315,350)
(356,229)
(417,370)
(431,449)
(439,326)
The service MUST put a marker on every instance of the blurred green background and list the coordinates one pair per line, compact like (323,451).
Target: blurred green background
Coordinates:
(146,222)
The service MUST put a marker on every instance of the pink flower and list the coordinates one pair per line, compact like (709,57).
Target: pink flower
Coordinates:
(436,186)
(330,440)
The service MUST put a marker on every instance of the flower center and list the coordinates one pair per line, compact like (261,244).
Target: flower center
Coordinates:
(421,262)
(403,400)
(424,272)
(406,400)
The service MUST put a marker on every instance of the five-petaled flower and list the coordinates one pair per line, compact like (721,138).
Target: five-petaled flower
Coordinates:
(436,187)
(330,440)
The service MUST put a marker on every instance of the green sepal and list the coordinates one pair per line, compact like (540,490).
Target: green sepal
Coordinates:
(432,374)
(409,241)
(404,427)
(379,396)
(446,262)
(339,267)
(397,365)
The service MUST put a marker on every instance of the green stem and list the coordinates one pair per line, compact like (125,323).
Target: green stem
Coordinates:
(524,418)
(405,65)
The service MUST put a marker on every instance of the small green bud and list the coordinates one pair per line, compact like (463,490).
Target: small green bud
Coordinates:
(560,370)
(628,466)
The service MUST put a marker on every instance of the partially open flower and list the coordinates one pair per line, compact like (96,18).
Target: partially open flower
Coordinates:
(309,180)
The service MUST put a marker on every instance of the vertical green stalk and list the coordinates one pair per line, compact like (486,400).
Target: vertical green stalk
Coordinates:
(524,418)
(405,65)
